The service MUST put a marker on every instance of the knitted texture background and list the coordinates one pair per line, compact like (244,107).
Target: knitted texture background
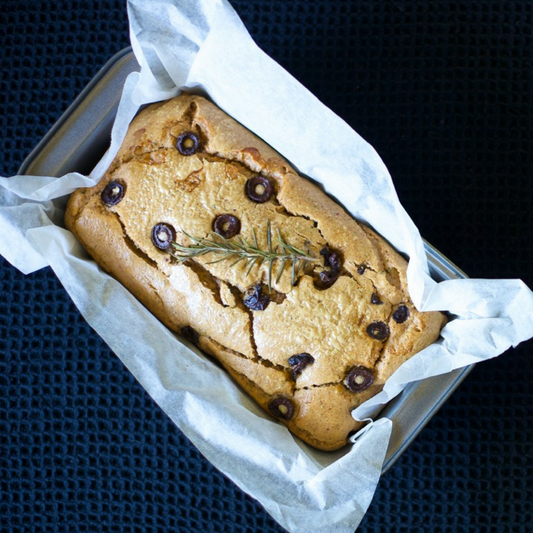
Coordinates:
(444,91)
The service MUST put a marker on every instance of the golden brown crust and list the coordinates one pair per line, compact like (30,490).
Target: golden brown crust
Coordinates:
(330,324)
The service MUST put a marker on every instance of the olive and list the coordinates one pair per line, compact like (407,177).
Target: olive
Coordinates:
(255,299)
(259,189)
(378,330)
(359,378)
(187,143)
(227,226)
(113,193)
(299,362)
(190,334)
(281,407)
(329,277)
(374,299)
(401,314)
(163,235)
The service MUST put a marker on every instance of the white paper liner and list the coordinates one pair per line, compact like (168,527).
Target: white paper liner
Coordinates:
(202,46)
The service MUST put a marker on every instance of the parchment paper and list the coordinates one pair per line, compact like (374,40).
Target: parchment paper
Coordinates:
(202,46)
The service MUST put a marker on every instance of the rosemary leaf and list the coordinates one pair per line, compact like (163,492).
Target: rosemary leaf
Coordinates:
(293,273)
(270,274)
(251,265)
(239,259)
(280,271)
(299,264)
(223,258)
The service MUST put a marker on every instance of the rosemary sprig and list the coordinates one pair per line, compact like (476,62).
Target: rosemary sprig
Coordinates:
(241,249)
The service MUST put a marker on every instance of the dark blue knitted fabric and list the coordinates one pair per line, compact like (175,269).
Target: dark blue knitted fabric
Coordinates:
(444,91)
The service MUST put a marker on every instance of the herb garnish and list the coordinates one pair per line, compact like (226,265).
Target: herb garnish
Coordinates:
(242,250)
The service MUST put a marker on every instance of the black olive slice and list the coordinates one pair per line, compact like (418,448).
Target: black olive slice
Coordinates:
(325,253)
(299,362)
(255,299)
(187,143)
(259,189)
(401,314)
(361,269)
(281,407)
(190,334)
(113,193)
(163,235)
(333,261)
(374,299)
(329,277)
(227,226)
(378,330)
(359,378)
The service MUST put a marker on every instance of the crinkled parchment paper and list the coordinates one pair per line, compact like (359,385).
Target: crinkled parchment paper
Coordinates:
(202,46)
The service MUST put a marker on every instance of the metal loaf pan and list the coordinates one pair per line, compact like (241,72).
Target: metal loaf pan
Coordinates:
(80,137)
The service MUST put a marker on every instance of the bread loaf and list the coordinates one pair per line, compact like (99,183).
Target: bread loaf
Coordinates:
(314,316)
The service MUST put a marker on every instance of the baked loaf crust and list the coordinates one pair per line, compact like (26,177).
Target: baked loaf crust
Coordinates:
(308,352)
